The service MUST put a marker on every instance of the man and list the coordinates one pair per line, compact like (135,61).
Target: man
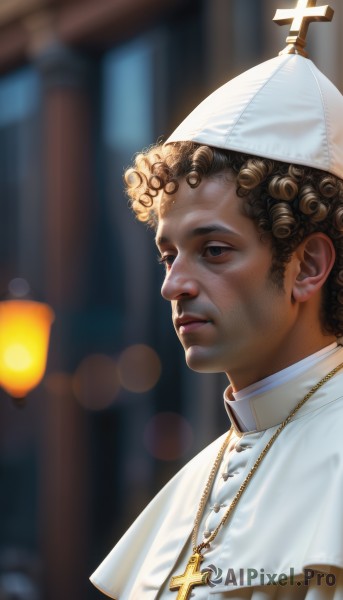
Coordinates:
(247,200)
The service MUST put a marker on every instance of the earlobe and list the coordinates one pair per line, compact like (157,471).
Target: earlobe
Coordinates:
(316,256)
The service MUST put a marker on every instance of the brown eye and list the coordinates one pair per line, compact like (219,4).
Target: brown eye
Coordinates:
(166,260)
(215,251)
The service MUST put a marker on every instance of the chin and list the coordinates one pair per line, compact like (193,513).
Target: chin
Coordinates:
(201,360)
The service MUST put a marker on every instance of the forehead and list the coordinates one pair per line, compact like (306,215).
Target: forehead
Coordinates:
(214,200)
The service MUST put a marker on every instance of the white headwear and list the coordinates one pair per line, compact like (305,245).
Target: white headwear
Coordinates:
(284,109)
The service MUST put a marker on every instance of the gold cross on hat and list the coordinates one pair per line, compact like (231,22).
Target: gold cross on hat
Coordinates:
(300,18)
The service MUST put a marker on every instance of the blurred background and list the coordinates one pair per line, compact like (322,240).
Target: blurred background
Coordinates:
(84,84)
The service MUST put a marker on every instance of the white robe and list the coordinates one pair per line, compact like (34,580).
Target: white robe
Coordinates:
(290,517)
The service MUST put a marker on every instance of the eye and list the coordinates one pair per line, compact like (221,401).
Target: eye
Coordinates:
(216,251)
(166,259)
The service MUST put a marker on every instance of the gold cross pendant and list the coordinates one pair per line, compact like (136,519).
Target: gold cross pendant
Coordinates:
(191,577)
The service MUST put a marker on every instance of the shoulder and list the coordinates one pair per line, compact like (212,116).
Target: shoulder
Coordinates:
(199,462)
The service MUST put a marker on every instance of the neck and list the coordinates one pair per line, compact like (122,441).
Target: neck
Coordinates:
(270,361)
(269,401)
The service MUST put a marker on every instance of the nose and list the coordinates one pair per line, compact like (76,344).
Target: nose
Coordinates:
(179,282)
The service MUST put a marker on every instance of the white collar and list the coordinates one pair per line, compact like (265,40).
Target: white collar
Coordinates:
(268,402)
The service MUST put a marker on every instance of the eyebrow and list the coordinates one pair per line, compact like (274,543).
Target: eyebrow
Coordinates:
(199,232)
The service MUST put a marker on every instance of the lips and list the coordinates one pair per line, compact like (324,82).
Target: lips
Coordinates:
(189,323)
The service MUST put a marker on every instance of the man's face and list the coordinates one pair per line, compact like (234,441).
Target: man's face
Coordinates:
(226,311)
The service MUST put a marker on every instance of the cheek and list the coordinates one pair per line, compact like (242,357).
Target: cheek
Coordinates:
(253,300)
(238,286)
(268,307)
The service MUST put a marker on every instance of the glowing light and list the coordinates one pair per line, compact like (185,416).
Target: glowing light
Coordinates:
(168,436)
(96,382)
(139,368)
(24,339)
(17,357)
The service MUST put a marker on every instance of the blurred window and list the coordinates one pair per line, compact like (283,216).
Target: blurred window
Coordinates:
(128,96)
(19,96)
(19,175)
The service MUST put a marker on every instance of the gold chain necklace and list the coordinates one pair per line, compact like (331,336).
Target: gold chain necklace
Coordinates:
(192,575)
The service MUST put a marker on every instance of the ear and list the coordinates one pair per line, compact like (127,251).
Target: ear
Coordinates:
(316,256)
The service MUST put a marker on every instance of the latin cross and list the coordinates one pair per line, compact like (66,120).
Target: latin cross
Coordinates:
(191,577)
(300,18)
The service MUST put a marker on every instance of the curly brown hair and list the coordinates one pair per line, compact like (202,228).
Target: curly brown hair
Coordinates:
(287,202)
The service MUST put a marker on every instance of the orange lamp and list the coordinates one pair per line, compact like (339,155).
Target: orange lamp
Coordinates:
(24,341)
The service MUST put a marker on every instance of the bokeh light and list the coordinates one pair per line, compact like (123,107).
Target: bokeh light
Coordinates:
(96,382)
(24,340)
(168,436)
(139,368)
(58,384)
(18,287)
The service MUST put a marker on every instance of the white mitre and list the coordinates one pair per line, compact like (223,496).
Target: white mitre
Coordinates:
(284,109)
